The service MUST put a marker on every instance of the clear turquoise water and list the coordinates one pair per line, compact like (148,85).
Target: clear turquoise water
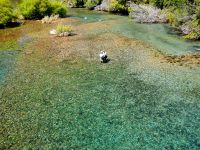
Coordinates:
(7,60)
(8,53)
(82,104)
(163,37)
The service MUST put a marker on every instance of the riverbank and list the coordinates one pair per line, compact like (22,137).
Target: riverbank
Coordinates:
(185,20)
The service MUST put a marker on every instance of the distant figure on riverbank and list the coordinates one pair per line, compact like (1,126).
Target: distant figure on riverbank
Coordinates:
(103,57)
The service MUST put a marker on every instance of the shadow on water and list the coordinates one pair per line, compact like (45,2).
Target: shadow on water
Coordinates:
(73,34)
(172,31)
(11,25)
(106,61)
(195,48)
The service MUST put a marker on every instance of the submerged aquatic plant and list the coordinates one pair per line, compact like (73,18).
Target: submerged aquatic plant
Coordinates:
(64,29)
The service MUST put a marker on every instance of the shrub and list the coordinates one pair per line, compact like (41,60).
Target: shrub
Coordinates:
(118,6)
(171,18)
(157,3)
(176,16)
(193,35)
(58,9)
(76,3)
(168,3)
(194,29)
(63,28)
(90,4)
(130,9)
(37,9)
(6,12)
(197,10)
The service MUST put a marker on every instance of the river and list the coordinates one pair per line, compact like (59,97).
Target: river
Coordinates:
(57,95)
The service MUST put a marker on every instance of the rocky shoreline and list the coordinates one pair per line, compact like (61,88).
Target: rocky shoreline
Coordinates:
(142,13)
(104,6)
(146,14)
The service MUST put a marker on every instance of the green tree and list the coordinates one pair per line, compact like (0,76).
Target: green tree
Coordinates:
(90,4)
(37,9)
(58,8)
(6,12)
(118,6)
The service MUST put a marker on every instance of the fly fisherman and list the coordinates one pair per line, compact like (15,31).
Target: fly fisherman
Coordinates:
(103,56)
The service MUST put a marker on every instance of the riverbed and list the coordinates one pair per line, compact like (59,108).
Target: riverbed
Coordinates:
(55,94)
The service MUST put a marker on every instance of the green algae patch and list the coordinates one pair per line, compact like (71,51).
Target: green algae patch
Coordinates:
(9,45)
(12,38)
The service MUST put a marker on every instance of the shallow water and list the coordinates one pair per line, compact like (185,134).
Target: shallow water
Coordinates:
(163,37)
(7,60)
(61,97)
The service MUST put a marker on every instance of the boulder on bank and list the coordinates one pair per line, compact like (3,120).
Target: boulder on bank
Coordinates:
(189,31)
(103,6)
(185,29)
(146,14)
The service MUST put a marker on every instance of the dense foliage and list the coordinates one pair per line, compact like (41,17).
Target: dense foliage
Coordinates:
(118,6)
(182,14)
(58,9)
(90,4)
(75,3)
(37,9)
(6,12)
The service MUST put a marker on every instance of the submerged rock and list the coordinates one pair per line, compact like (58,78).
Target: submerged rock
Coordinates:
(190,31)
(53,32)
(146,14)
(61,34)
(66,34)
